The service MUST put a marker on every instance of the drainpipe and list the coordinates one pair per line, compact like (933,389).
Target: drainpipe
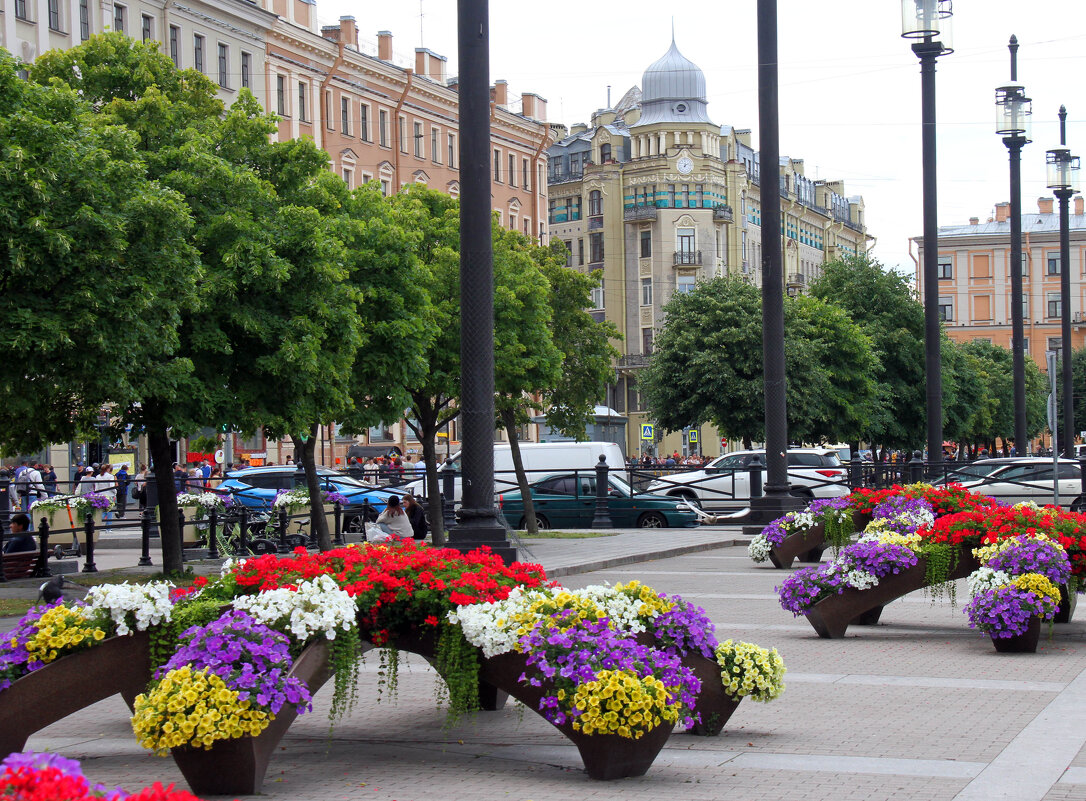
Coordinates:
(539,211)
(318,130)
(396,113)
(166,27)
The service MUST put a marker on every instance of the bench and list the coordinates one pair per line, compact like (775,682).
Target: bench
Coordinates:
(19,564)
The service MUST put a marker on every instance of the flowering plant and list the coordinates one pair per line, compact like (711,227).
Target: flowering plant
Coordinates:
(1006,611)
(205,501)
(292,499)
(314,607)
(33,776)
(331,496)
(128,605)
(1028,554)
(43,635)
(748,670)
(82,505)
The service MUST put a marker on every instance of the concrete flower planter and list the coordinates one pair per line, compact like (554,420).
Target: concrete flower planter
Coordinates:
(807,546)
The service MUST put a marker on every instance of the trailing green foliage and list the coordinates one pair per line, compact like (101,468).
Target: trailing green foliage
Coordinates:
(458,664)
(164,638)
(940,559)
(344,658)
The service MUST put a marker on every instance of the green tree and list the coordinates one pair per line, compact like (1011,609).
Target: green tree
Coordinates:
(95,264)
(993,369)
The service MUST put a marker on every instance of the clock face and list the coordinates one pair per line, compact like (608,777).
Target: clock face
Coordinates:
(684,165)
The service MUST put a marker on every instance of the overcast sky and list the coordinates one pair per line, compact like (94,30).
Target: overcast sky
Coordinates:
(849,85)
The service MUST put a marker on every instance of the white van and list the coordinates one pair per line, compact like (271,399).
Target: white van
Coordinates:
(540,459)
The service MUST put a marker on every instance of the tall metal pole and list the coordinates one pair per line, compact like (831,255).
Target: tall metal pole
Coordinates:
(1014,145)
(477,519)
(928,51)
(776,409)
(1064,195)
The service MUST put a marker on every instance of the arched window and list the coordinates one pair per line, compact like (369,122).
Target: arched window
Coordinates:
(595,202)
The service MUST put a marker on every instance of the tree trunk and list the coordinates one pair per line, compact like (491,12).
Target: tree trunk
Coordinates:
(158,441)
(427,413)
(318,523)
(509,422)
(747,443)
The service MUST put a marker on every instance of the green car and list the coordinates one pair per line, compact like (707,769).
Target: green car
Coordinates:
(568,500)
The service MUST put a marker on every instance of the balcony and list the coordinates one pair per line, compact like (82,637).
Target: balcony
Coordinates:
(687,257)
(1078,318)
(639,213)
(724,213)
(797,280)
(634,360)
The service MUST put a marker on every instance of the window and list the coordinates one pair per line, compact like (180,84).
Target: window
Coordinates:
(382,127)
(175,52)
(1025,346)
(525,175)
(670,196)
(280,96)
(497,166)
(569,252)
(20,9)
(512,170)
(646,291)
(1054,304)
(224,65)
(54,15)
(595,246)
(646,244)
(364,122)
(646,341)
(328,116)
(685,242)
(945,270)
(146,30)
(452,150)
(84,20)
(401,129)
(345,115)
(348,177)
(946,309)
(685,283)
(595,203)
(1025,264)
(418,140)
(1053,264)
(301,101)
(597,296)
(198,52)
(605,154)
(435,145)
(119,14)
(246,70)
(386,188)
(580,252)
(1055,343)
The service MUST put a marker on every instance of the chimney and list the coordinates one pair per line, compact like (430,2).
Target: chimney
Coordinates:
(1079,211)
(330,32)
(974,220)
(384,45)
(348,32)
(1003,212)
(437,69)
(420,60)
(1044,205)
(499,93)
(527,105)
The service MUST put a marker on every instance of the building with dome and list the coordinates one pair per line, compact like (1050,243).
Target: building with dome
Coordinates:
(657,196)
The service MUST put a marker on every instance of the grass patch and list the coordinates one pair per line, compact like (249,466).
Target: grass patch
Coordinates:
(121,575)
(15,607)
(566,535)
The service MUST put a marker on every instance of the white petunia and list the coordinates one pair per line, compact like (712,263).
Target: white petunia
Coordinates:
(317,606)
(149,604)
(759,548)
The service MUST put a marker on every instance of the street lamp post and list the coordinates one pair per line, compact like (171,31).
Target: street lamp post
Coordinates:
(1013,125)
(1063,181)
(927,23)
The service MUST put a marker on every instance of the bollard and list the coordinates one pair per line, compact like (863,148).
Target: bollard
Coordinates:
(602,517)
(212,540)
(41,569)
(145,536)
(337,518)
(283,547)
(916,468)
(756,467)
(243,535)
(181,528)
(5,502)
(88,533)
(448,495)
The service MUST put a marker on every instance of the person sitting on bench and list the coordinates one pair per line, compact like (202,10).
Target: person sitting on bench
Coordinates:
(21,539)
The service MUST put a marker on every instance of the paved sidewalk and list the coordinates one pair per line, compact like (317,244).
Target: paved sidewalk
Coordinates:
(919,707)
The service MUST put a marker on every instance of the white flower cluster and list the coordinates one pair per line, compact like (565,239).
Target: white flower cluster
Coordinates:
(861,580)
(298,496)
(986,578)
(801,521)
(318,606)
(495,627)
(759,548)
(205,500)
(916,518)
(149,604)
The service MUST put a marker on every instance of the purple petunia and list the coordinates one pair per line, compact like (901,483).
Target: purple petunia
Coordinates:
(897,505)
(1031,555)
(806,587)
(877,558)
(1006,611)
(686,628)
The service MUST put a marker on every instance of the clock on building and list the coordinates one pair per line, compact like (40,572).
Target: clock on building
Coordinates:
(685,165)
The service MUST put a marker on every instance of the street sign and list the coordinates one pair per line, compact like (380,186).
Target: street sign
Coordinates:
(647,431)
(220,455)
(692,437)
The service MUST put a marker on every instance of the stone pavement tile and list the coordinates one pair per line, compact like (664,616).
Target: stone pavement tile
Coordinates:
(1067,792)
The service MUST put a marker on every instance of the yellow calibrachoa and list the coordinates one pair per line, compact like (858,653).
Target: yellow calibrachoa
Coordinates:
(623,703)
(748,670)
(881,529)
(1039,585)
(196,708)
(62,630)
(995,549)
(584,609)
(651,602)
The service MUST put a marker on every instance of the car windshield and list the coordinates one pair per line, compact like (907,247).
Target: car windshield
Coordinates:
(979,470)
(620,484)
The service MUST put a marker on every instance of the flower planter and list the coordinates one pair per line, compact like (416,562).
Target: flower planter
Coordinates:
(71,683)
(714,707)
(832,616)
(237,767)
(1068,602)
(1020,643)
(807,546)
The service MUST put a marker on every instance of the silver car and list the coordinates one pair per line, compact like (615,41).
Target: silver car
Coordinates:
(1021,479)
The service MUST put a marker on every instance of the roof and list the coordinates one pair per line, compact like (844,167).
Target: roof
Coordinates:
(673,90)
(1031,224)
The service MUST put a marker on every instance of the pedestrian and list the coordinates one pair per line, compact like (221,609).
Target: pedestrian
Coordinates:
(28,486)
(420,467)
(49,478)
(21,539)
(139,487)
(215,479)
(180,477)
(416,515)
(205,471)
(107,488)
(394,520)
(123,482)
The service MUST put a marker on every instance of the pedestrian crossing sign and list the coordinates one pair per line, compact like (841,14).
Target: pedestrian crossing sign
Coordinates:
(647,431)
(692,437)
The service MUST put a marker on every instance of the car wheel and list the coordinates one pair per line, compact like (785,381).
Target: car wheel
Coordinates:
(354,525)
(1079,504)
(652,520)
(802,492)
(542,523)
(261,546)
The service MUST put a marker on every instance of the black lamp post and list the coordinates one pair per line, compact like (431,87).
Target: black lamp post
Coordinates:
(1063,181)
(1013,126)
(927,23)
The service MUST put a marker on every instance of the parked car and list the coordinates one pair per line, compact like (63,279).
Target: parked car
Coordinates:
(256,487)
(568,500)
(1014,480)
(724,483)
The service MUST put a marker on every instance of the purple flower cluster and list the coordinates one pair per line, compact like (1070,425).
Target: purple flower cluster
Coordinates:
(819,507)
(777,530)
(337,497)
(248,656)
(901,505)
(685,629)
(565,657)
(68,767)
(806,587)
(98,501)
(1030,555)
(877,558)
(14,657)
(1006,611)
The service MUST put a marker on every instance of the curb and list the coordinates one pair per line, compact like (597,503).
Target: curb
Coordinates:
(630,559)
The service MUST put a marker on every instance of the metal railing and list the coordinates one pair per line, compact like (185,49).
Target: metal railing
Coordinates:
(687,257)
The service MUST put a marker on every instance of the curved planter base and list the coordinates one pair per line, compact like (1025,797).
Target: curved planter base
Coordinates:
(714,707)
(809,545)
(119,665)
(1021,643)
(1068,602)
(832,616)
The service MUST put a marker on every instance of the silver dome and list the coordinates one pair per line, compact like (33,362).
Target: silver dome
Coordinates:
(673,90)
